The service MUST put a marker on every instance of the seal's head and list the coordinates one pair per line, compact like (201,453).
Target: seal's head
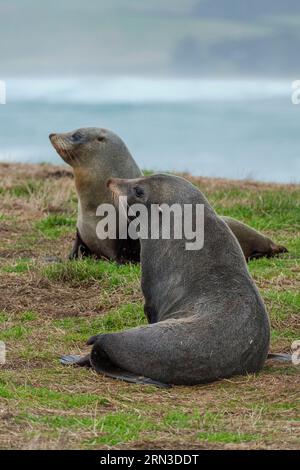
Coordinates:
(155,189)
(85,146)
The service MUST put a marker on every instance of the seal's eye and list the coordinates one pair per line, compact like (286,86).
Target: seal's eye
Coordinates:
(139,192)
(76,137)
(100,138)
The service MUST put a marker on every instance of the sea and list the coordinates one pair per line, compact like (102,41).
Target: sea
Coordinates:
(209,127)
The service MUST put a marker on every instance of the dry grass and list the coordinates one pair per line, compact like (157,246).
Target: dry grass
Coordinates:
(47,309)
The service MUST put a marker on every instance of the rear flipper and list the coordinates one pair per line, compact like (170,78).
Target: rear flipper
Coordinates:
(277,249)
(76,360)
(280,357)
(273,251)
(102,364)
(253,243)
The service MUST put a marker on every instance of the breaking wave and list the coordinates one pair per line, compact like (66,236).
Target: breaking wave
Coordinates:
(122,90)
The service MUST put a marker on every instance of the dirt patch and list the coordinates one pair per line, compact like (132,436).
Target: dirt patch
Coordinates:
(46,297)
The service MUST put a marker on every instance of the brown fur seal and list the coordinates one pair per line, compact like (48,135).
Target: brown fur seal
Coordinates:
(207,319)
(96,155)
(253,243)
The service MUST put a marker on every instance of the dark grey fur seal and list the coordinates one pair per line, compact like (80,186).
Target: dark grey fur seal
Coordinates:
(96,155)
(207,319)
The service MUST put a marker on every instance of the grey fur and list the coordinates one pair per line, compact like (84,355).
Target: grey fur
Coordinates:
(96,155)
(207,317)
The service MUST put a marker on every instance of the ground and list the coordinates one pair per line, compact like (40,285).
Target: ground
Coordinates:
(50,308)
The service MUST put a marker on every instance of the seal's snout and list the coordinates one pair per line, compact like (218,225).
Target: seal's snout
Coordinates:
(55,142)
(113,182)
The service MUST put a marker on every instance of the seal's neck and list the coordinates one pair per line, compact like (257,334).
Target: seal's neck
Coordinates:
(90,191)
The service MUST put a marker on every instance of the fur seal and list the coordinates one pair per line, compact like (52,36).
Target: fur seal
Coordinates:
(253,243)
(207,319)
(96,155)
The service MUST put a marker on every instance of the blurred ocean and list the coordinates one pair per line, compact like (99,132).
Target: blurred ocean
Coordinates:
(226,128)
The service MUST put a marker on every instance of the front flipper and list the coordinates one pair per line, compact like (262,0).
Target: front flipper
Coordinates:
(280,357)
(79,249)
(74,360)
(255,255)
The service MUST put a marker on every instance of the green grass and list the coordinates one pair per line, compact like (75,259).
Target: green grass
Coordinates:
(28,316)
(54,226)
(227,437)
(268,210)
(3,317)
(91,270)
(50,309)
(178,419)
(126,316)
(20,318)
(268,269)
(43,397)
(20,266)
(4,217)
(120,427)
(288,334)
(283,304)
(111,429)
(15,333)
(24,190)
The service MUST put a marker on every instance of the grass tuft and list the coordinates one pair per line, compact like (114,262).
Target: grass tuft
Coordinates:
(91,270)
(227,437)
(53,226)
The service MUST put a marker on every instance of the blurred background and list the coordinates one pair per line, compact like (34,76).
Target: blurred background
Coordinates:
(197,85)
